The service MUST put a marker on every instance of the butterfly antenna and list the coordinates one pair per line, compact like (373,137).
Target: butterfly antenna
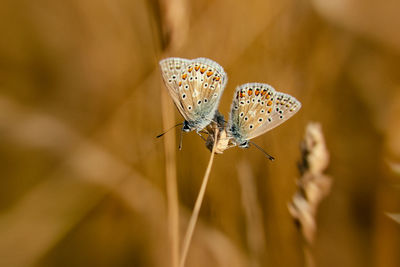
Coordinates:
(271,158)
(158,136)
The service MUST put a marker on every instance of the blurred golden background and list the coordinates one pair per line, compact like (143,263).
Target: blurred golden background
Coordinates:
(83,178)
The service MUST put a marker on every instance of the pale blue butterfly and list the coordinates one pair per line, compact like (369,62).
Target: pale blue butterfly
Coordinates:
(256,109)
(196,87)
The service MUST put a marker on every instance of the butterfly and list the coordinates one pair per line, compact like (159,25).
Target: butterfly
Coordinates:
(196,87)
(256,109)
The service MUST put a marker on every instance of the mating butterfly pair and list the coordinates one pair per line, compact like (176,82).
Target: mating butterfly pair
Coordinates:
(196,86)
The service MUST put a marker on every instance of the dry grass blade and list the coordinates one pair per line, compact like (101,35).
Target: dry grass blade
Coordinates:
(394,216)
(171,183)
(395,167)
(174,35)
(196,210)
(253,213)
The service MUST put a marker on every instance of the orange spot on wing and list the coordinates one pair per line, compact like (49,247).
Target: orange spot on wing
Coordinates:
(209,73)
(250,92)
(269,103)
(269,110)
(180,83)
(241,94)
(217,78)
(257,92)
(202,70)
(190,69)
(184,76)
(196,68)
(264,92)
(268,96)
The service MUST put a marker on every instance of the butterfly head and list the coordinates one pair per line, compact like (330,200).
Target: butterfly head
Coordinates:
(245,144)
(186,127)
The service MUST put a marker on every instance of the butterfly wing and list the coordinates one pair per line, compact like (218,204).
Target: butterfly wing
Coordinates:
(258,108)
(196,86)
(171,69)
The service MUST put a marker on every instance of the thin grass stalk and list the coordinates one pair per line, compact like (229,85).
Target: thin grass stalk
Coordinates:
(175,33)
(171,183)
(308,255)
(195,214)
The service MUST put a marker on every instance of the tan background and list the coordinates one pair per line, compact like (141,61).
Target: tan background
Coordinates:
(83,177)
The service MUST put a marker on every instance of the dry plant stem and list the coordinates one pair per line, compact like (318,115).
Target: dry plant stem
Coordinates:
(308,256)
(196,210)
(171,184)
(175,30)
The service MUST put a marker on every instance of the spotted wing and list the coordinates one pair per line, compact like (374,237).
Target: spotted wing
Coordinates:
(171,69)
(258,108)
(195,86)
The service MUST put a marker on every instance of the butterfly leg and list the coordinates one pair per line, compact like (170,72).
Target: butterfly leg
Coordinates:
(200,132)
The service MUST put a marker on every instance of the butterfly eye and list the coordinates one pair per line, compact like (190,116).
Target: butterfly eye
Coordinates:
(244,144)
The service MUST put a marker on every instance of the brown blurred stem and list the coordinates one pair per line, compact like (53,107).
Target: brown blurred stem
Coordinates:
(196,210)
(174,32)
(171,183)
